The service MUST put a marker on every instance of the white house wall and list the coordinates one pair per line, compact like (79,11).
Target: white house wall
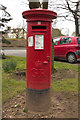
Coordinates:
(11,35)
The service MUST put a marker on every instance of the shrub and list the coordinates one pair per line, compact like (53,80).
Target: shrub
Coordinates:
(9,66)
(3,56)
(5,41)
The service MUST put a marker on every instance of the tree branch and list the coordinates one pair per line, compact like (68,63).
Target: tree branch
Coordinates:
(69,7)
(72,1)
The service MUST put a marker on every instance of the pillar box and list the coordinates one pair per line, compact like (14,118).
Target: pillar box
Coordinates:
(39,31)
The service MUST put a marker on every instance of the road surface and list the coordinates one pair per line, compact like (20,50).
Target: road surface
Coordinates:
(21,52)
(16,52)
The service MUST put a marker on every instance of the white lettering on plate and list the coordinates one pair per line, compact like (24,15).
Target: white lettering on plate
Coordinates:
(39,41)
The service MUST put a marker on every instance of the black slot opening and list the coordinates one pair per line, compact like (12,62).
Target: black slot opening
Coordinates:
(38,27)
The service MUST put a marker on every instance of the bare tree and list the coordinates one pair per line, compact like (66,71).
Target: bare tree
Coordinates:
(67,9)
(19,30)
(5,17)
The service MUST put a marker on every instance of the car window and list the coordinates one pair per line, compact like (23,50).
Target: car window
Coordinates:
(78,40)
(55,40)
(65,40)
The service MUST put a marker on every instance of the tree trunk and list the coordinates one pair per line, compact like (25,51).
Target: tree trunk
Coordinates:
(45,5)
(52,58)
(33,5)
(23,33)
(76,26)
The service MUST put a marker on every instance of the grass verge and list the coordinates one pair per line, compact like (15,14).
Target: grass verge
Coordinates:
(60,65)
(66,85)
(21,61)
(11,87)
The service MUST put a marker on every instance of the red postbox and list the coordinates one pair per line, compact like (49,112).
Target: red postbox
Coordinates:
(39,47)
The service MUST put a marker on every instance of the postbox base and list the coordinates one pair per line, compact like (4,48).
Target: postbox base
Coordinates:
(38,100)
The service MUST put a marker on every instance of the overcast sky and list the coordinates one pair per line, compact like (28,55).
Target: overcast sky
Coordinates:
(16,7)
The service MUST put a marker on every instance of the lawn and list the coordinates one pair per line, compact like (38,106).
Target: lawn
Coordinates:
(11,87)
(0,83)
(66,85)
(21,61)
(67,66)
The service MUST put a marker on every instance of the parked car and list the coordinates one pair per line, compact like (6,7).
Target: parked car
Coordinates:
(67,48)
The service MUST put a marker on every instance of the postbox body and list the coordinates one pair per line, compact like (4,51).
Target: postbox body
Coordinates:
(39,48)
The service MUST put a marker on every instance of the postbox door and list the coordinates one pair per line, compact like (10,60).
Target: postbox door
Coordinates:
(39,61)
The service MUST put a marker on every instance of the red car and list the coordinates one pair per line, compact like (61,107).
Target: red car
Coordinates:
(67,48)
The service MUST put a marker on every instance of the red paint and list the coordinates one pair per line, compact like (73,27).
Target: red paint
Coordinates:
(39,60)
(62,50)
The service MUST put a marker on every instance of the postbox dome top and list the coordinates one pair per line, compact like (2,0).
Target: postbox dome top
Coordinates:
(39,13)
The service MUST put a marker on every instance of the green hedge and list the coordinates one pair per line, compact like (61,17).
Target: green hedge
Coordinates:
(14,39)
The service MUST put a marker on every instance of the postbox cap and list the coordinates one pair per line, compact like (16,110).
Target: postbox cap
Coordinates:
(39,14)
